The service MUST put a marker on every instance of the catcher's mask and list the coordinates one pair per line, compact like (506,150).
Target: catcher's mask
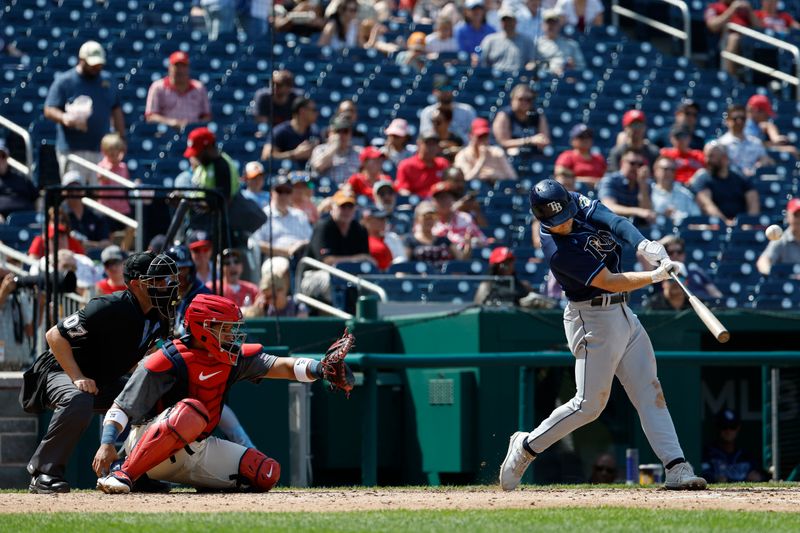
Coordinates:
(161,282)
(216,321)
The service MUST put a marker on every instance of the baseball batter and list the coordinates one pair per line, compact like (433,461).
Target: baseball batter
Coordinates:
(581,240)
(191,377)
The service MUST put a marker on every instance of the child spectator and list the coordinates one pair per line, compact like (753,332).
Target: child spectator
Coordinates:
(113,148)
(370,172)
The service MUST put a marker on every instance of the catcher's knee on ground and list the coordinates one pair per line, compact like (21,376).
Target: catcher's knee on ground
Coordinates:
(257,471)
(183,423)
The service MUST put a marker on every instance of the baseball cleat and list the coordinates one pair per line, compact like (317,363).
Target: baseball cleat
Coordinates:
(681,477)
(115,483)
(516,462)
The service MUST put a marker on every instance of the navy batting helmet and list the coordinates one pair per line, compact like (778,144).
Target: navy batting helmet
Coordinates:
(551,203)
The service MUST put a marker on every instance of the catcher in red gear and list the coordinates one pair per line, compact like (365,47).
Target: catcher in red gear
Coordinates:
(187,381)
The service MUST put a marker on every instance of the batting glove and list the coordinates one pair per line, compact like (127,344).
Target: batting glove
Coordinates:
(654,252)
(666,268)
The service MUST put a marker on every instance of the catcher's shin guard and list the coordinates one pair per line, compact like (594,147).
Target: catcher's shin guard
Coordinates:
(258,472)
(184,422)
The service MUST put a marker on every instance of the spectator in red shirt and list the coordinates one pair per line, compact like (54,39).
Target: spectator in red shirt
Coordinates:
(717,17)
(370,172)
(687,161)
(384,247)
(112,258)
(418,173)
(777,21)
(240,291)
(586,166)
(177,99)
(36,249)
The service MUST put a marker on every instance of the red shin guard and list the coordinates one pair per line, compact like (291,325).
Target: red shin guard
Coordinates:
(258,471)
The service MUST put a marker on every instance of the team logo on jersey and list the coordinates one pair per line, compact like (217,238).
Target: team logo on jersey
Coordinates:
(555,207)
(583,201)
(600,244)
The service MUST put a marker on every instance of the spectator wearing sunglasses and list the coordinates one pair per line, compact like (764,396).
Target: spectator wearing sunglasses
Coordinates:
(633,136)
(240,291)
(604,470)
(669,198)
(687,161)
(337,158)
(686,115)
(585,165)
(745,152)
(627,191)
(479,160)
(698,281)
(287,228)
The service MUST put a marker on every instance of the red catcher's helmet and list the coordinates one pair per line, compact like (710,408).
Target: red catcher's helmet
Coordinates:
(215,322)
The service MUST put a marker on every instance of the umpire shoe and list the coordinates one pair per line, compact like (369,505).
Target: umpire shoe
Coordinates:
(115,483)
(45,484)
(516,462)
(681,477)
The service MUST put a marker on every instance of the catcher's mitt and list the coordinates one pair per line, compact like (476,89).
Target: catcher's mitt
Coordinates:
(336,371)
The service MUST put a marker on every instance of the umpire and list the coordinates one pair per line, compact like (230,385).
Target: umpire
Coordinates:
(90,352)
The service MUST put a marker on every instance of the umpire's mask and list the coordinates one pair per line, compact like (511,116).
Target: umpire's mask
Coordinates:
(161,282)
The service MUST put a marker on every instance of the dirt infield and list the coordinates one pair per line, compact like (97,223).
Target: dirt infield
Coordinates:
(780,499)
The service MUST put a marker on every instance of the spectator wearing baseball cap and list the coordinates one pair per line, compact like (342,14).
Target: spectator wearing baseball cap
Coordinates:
(559,52)
(176,99)
(759,124)
(418,173)
(459,227)
(385,246)
(215,169)
(385,197)
(112,258)
(287,229)
(633,137)
(726,461)
(508,50)
(337,158)
(242,292)
(200,248)
(502,291)
(254,184)
(786,250)
(444,92)
(479,160)
(585,165)
(83,102)
(414,55)
(474,29)
(686,161)
(686,114)
(370,172)
(17,193)
(395,146)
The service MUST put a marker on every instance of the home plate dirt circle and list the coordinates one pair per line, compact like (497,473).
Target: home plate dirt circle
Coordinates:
(780,499)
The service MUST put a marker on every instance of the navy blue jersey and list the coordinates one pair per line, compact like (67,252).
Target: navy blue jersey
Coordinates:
(594,243)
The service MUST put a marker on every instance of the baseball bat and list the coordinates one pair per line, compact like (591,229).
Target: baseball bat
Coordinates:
(713,324)
(177,220)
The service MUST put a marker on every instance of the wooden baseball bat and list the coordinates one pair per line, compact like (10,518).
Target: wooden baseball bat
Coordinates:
(713,324)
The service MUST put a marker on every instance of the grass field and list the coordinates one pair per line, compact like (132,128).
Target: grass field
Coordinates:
(556,520)
(564,509)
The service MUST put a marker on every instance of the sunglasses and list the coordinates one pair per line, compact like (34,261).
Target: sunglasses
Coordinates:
(347,131)
(283,191)
(635,162)
(674,250)
(606,469)
(670,169)
(347,206)
(736,118)
(524,98)
(231,262)
(690,113)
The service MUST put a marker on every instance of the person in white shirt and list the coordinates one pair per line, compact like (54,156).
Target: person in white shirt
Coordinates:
(582,14)
(463,114)
(744,151)
(442,39)
(288,230)
(669,198)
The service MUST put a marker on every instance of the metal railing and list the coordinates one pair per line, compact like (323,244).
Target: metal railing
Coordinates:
(684,35)
(760,67)
(116,178)
(333,271)
(27,168)
(7,251)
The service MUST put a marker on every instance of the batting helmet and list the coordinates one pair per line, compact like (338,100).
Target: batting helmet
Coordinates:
(215,322)
(551,203)
(183,259)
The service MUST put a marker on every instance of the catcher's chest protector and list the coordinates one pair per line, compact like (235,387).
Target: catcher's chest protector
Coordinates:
(198,376)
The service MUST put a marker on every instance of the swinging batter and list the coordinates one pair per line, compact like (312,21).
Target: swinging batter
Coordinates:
(581,240)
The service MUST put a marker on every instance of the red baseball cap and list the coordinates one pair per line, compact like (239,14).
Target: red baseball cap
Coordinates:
(632,116)
(480,126)
(762,103)
(500,255)
(793,206)
(178,57)
(370,152)
(199,140)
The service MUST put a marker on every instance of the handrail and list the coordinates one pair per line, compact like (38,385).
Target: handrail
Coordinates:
(107,211)
(19,256)
(322,306)
(138,207)
(754,65)
(26,137)
(685,35)
(333,271)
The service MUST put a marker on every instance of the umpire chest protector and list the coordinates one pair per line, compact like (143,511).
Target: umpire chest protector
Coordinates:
(198,376)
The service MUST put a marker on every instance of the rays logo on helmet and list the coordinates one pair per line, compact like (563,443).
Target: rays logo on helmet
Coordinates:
(555,207)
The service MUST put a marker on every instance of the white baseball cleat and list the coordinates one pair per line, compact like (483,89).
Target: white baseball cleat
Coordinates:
(516,462)
(112,484)
(681,477)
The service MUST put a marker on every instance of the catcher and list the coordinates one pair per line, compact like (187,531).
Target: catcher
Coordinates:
(191,377)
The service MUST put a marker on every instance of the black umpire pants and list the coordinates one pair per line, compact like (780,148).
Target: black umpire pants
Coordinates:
(72,412)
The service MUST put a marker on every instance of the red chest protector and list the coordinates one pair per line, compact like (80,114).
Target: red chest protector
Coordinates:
(199,376)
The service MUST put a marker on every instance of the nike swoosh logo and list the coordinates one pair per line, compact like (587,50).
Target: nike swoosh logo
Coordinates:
(269,474)
(203,377)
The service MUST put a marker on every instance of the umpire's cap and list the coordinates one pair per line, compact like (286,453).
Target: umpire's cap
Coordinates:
(551,203)
(136,265)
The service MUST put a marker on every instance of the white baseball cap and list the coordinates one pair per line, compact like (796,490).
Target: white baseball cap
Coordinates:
(92,52)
